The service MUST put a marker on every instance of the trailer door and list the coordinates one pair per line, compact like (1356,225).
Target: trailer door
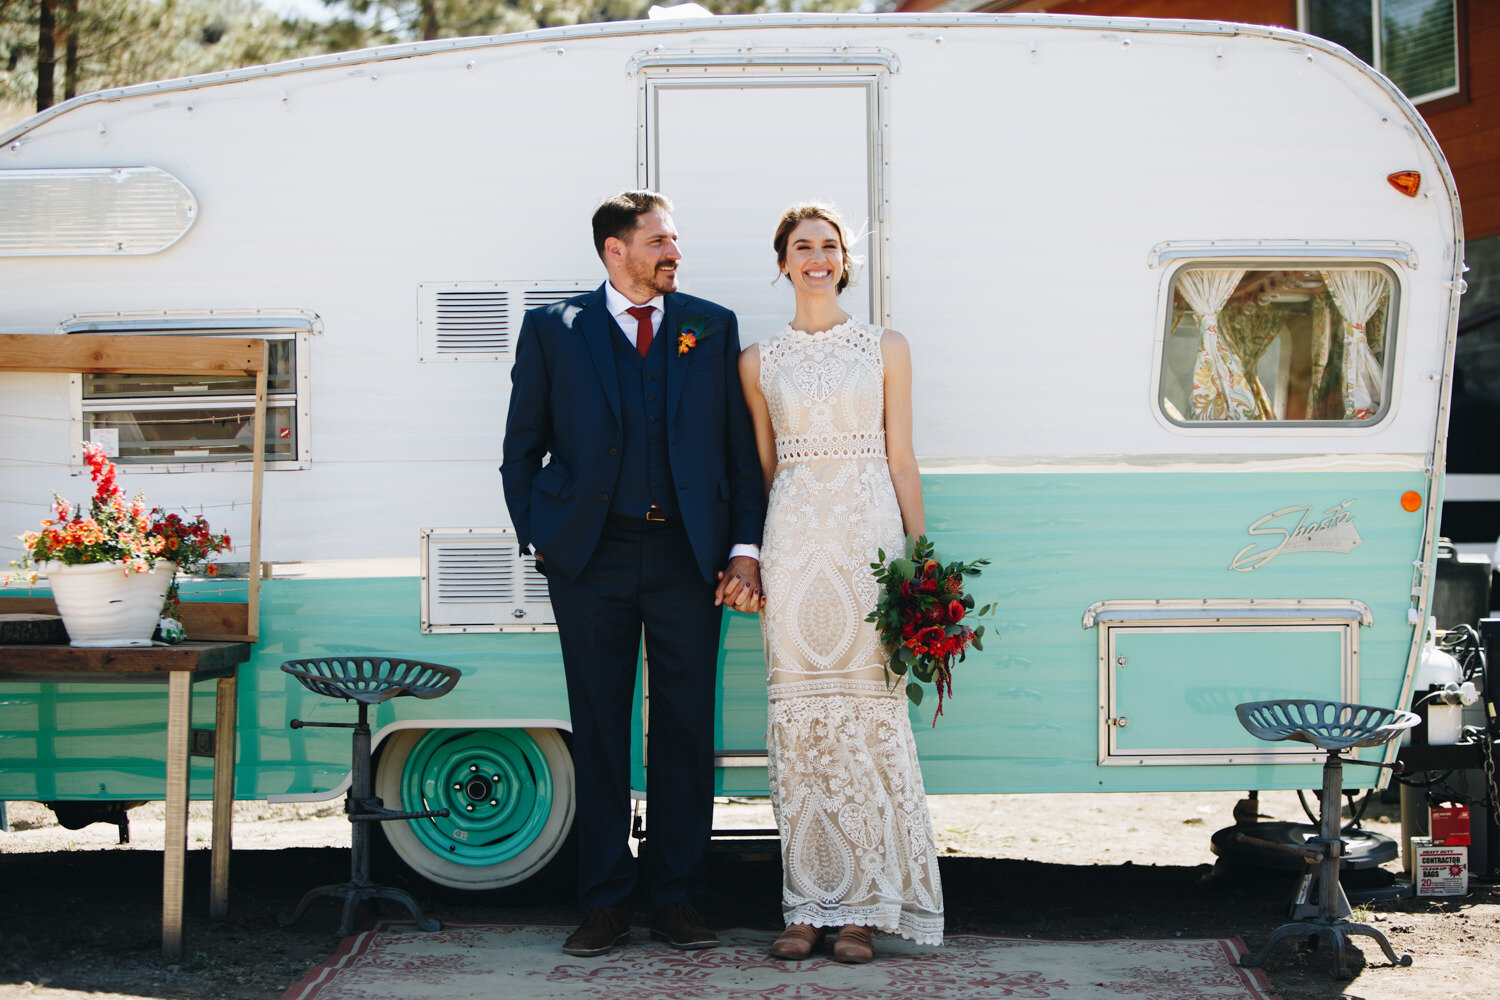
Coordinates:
(734,152)
(733,145)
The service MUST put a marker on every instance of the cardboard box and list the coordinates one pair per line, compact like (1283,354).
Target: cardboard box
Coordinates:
(1442,870)
(1449,825)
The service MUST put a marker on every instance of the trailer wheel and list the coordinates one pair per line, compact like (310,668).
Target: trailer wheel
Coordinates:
(509,793)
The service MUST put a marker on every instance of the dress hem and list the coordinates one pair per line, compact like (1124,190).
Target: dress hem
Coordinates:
(917,929)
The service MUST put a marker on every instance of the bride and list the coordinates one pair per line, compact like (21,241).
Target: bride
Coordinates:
(831,401)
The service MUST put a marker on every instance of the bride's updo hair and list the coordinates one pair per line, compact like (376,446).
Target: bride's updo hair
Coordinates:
(802,211)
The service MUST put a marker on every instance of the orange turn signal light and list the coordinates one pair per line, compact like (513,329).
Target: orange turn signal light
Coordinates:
(1408,182)
(1411,500)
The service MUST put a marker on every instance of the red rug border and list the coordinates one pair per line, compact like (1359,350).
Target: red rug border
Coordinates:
(358,943)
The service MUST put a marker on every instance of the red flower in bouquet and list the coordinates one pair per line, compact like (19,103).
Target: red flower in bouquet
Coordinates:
(920,615)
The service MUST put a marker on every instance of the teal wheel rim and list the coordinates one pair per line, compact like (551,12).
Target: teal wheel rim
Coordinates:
(495,784)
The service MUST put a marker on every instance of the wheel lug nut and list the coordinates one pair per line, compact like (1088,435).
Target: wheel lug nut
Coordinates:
(470,807)
(457,786)
(494,802)
(473,767)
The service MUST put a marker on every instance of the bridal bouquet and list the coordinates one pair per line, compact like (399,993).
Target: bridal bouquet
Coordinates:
(921,613)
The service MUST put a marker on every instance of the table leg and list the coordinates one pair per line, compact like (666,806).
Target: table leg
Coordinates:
(226,705)
(174,850)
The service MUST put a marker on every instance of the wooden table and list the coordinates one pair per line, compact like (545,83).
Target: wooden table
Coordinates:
(178,666)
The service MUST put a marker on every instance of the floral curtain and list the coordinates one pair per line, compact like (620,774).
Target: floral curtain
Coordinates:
(1220,391)
(1321,327)
(1358,292)
(1250,328)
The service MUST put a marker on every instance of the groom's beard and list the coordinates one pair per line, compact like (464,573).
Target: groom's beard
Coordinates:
(660,279)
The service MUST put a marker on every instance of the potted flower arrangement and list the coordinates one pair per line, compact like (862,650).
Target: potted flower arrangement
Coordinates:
(112,566)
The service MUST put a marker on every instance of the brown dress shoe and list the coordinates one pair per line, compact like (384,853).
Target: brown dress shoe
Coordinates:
(680,926)
(603,927)
(855,945)
(797,942)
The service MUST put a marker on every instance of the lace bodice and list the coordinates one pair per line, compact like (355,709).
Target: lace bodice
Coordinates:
(825,392)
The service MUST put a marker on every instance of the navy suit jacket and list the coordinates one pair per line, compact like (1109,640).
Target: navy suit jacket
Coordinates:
(565,402)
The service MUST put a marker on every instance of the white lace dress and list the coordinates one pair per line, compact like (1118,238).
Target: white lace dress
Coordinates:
(857,844)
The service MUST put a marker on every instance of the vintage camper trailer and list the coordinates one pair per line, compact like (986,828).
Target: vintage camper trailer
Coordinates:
(1181,297)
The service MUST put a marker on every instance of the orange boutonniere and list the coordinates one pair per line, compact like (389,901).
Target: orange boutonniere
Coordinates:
(686,341)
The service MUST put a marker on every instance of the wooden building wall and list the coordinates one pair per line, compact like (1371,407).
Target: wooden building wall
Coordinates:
(1468,126)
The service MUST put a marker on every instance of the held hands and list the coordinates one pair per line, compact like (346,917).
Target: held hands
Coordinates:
(739,586)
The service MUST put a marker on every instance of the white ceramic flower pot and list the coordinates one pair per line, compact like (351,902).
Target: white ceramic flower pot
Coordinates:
(102,605)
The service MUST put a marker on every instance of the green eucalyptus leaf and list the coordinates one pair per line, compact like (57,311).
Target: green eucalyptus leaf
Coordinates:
(914,693)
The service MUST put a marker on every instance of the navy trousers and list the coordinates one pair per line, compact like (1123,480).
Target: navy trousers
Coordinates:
(641,576)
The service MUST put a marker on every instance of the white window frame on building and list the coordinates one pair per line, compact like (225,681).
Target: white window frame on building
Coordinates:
(1377,57)
(188,397)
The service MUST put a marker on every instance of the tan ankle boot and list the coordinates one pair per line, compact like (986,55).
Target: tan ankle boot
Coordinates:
(796,942)
(856,945)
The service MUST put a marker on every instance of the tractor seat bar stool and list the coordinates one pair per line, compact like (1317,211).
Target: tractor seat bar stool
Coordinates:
(367,680)
(1333,726)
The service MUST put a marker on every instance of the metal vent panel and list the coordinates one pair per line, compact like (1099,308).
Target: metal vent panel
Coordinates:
(92,210)
(476,580)
(479,320)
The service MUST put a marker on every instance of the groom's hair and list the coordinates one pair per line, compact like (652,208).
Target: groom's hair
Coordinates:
(618,216)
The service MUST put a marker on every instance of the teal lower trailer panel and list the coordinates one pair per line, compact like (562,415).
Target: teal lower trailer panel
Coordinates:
(1026,713)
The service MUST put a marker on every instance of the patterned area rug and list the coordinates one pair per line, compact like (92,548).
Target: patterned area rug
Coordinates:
(517,962)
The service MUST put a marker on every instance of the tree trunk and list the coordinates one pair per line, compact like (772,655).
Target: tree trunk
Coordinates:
(68,29)
(46,58)
(429,19)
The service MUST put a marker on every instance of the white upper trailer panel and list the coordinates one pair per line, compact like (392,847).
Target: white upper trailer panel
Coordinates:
(1028,188)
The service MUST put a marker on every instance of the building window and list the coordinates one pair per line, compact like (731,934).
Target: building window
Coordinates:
(1284,344)
(1414,42)
(172,421)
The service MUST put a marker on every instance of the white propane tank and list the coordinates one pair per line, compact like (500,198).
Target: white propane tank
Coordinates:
(1436,671)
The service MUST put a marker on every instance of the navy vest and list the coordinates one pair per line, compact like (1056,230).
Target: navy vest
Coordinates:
(645,475)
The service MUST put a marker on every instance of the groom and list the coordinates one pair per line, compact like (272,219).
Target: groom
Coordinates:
(646,516)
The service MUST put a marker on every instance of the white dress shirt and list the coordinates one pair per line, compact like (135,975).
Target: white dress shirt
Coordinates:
(619,306)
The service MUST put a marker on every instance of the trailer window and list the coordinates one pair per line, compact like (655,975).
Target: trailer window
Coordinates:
(176,420)
(1289,344)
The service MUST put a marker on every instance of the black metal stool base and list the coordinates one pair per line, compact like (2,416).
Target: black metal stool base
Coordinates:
(1333,727)
(367,680)
(355,893)
(1337,931)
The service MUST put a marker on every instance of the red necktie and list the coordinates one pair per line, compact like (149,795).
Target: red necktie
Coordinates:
(642,316)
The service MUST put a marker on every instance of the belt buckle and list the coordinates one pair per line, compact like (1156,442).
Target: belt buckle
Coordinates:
(655,516)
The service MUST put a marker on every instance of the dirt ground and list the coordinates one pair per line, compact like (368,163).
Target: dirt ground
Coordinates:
(79,914)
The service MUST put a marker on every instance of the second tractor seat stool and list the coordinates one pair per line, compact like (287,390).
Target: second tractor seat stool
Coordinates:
(1333,726)
(367,680)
